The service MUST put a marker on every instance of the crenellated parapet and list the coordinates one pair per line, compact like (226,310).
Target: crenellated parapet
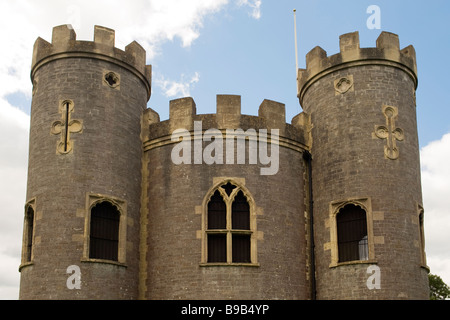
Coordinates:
(183,115)
(65,45)
(386,52)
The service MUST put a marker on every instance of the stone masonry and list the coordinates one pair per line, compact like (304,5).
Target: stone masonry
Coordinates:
(93,140)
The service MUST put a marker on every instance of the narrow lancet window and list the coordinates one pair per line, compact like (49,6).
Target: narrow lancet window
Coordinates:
(423,259)
(66,125)
(29,228)
(217,220)
(240,213)
(217,212)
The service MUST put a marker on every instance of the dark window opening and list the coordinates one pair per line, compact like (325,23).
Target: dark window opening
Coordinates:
(217,248)
(66,125)
(240,217)
(104,232)
(29,220)
(112,79)
(217,212)
(352,234)
(228,188)
(241,248)
(422,239)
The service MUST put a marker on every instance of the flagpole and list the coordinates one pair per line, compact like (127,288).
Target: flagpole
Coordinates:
(296,49)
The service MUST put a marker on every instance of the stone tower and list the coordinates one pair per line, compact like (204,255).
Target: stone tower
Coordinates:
(85,155)
(365,164)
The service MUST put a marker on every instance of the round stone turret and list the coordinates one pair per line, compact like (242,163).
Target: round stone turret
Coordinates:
(84,168)
(368,215)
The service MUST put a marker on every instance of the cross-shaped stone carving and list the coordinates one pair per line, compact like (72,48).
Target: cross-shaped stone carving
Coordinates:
(65,127)
(390,132)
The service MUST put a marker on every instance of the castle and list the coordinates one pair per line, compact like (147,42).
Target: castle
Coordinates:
(121,205)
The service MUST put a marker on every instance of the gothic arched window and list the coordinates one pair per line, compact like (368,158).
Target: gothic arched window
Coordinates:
(229,226)
(240,223)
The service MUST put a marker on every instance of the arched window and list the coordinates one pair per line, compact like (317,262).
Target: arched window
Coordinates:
(423,259)
(217,212)
(28,236)
(229,232)
(352,233)
(240,223)
(104,232)
(217,225)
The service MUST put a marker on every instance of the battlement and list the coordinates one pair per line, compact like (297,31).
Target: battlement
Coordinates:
(183,110)
(183,113)
(386,52)
(64,45)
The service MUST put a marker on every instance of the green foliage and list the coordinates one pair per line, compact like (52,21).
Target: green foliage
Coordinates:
(438,289)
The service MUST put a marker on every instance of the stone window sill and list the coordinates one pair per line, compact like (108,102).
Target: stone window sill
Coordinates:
(26,264)
(117,263)
(346,263)
(225,264)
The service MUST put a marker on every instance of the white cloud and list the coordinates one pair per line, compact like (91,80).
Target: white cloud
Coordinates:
(435,162)
(177,89)
(255,5)
(150,22)
(14,128)
(171,18)
(9,277)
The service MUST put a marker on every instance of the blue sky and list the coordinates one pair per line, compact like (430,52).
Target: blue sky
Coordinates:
(255,58)
(203,48)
